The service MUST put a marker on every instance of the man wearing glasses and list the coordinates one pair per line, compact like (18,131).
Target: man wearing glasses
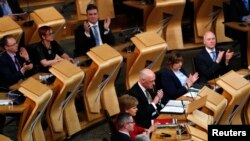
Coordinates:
(125,125)
(150,100)
(15,65)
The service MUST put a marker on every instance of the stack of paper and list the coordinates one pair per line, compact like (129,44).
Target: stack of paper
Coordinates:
(175,106)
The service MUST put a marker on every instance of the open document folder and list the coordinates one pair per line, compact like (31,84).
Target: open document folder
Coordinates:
(175,107)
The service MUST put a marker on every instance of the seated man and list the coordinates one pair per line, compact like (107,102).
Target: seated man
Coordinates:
(150,102)
(92,32)
(211,62)
(15,66)
(12,8)
(125,125)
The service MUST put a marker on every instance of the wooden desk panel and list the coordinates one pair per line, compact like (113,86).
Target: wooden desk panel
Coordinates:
(22,109)
(27,3)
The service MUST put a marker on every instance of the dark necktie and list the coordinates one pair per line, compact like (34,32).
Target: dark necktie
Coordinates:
(97,40)
(148,96)
(17,64)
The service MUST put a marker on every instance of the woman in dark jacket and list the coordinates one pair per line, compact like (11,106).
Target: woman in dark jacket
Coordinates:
(173,79)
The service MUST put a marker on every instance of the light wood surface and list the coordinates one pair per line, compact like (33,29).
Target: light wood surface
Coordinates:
(236,92)
(149,52)
(99,91)
(165,19)
(10,27)
(40,95)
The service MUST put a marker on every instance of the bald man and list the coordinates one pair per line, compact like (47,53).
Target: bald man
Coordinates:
(149,100)
(211,62)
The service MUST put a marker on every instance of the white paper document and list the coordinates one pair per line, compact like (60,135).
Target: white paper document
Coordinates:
(175,106)
(173,109)
(5,102)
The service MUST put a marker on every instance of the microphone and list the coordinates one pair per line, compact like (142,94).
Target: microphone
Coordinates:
(189,93)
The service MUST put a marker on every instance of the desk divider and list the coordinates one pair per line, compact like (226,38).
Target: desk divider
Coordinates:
(62,112)
(236,90)
(45,16)
(41,96)
(99,92)
(149,52)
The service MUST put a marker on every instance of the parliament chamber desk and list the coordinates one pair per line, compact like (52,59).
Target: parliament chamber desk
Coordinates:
(142,6)
(22,109)
(240,31)
(158,134)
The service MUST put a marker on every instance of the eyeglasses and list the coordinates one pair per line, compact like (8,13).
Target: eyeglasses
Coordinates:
(50,33)
(131,122)
(14,44)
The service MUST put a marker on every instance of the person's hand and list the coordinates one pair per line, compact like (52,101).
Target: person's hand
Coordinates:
(192,79)
(107,22)
(26,67)
(228,56)
(219,56)
(152,128)
(24,54)
(86,26)
(158,96)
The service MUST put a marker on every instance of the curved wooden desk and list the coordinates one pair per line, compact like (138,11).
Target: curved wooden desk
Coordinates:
(22,109)
(99,91)
(209,17)
(165,19)
(149,52)
(9,26)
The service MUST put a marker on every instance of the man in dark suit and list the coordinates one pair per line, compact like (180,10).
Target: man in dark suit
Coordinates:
(92,33)
(149,102)
(125,125)
(11,7)
(15,65)
(211,62)
(240,10)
